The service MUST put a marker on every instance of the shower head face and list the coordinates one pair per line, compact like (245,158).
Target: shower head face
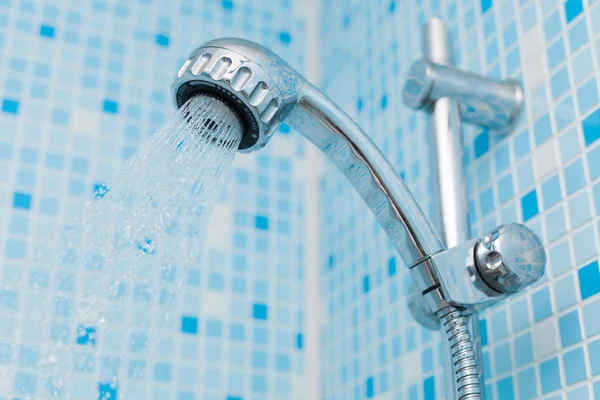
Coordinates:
(253,81)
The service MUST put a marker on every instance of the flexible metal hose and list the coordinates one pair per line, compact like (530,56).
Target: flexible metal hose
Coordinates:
(464,359)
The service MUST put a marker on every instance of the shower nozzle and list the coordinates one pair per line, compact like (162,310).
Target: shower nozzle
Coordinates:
(252,80)
(264,91)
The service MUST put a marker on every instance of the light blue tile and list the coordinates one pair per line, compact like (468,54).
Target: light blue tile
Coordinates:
(525,176)
(564,113)
(543,130)
(486,202)
(574,362)
(582,65)
(510,34)
(556,54)
(560,83)
(564,293)
(569,144)
(551,191)
(579,210)
(521,145)
(550,375)
(593,161)
(596,192)
(594,353)
(584,243)
(587,96)
(590,318)
(502,359)
(540,107)
(581,393)
(483,173)
(519,312)
(527,384)
(552,25)
(595,18)
(528,17)
(541,304)
(523,349)
(570,329)
(499,326)
(513,61)
(556,224)
(578,35)
(574,176)
(505,189)
(501,158)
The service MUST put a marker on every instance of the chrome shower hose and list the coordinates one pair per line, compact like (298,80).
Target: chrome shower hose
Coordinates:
(464,360)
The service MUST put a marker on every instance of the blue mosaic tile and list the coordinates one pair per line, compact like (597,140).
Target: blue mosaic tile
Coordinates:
(573,8)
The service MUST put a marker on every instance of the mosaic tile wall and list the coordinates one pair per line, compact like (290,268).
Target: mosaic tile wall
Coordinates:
(82,84)
(544,343)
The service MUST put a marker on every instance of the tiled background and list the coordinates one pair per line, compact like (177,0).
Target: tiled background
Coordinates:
(541,344)
(82,85)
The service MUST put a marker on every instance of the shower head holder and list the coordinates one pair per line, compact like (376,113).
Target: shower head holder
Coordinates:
(255,82)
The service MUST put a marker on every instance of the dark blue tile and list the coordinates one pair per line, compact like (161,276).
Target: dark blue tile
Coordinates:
(86,336)
(262,222)
(572,9)
(589,280)
(47,31)
(162,40)
(392,266)
(189,325)
(369,387)
(10,106)
(285,37)
(481,144)
(366,284)
(529,205)
(111,107)
(486,5)
(591,127)
(429,389)
(107,391)
(483,332)
(22,201)
(260,311)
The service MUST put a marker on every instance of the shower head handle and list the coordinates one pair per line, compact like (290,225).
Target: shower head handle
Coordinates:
(265,91)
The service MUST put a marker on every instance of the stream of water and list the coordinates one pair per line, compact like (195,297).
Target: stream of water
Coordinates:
(120,268)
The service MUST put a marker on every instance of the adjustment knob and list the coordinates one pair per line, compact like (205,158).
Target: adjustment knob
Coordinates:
(510,258)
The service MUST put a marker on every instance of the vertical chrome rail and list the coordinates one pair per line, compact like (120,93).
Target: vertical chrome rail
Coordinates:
(452,96)
(463,372)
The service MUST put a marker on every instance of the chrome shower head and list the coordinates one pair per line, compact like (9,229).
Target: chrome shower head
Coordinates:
(253,81)
(264,91)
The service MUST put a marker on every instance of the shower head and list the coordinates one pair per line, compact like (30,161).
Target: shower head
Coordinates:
(253,81)
(264,91)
